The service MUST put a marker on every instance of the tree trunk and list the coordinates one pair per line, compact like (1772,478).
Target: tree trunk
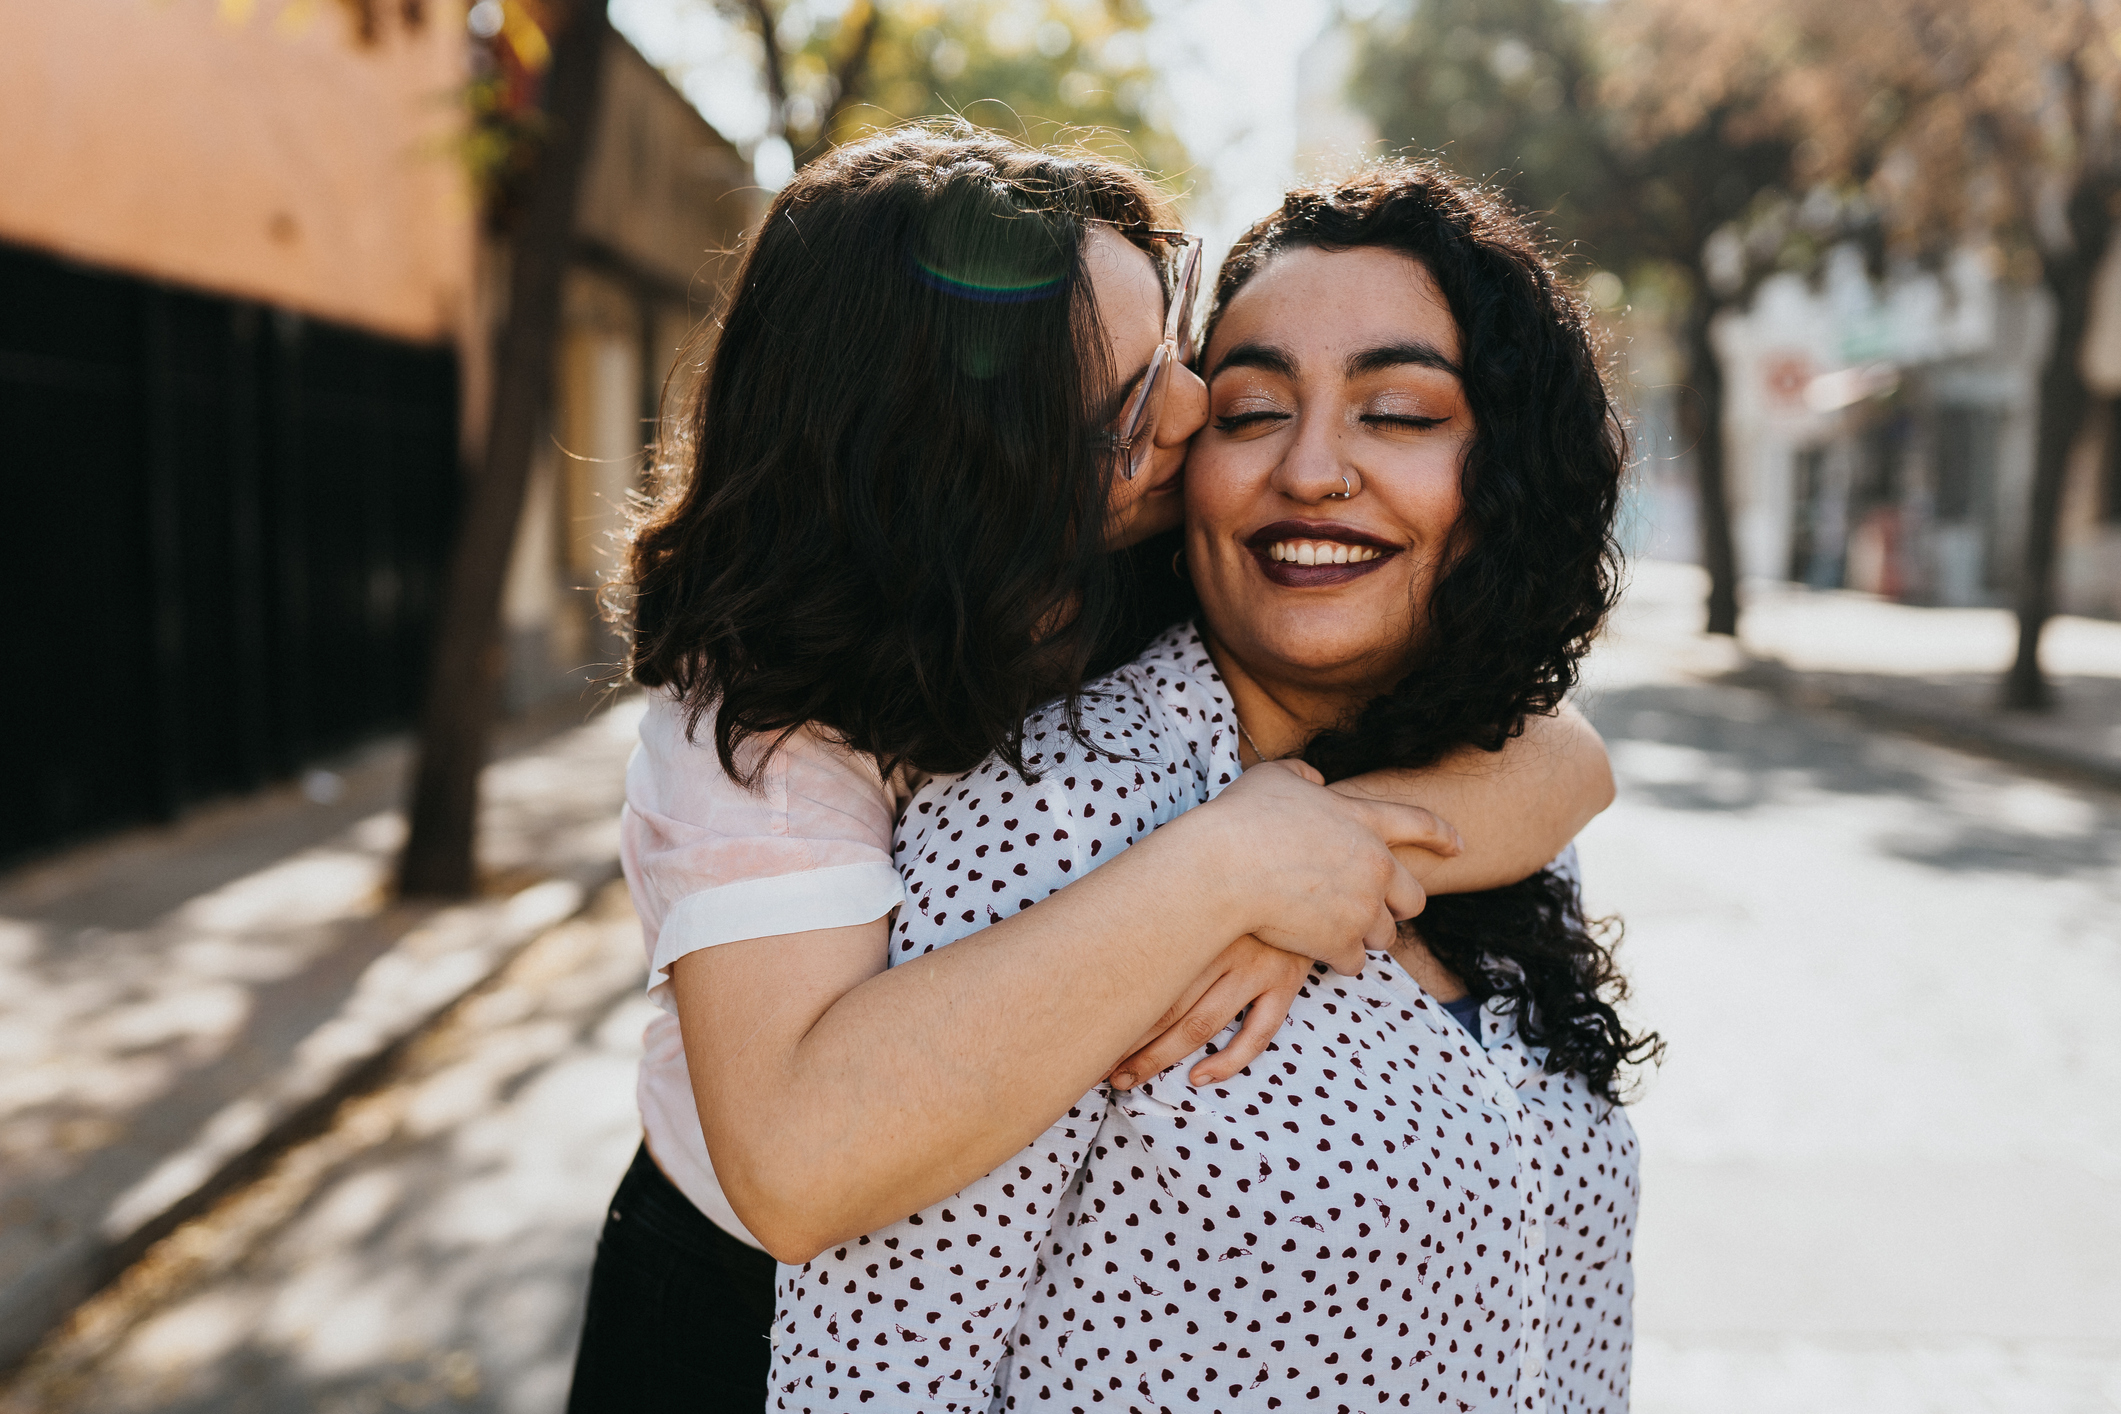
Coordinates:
(1701,418)
(464,678)
(2064,401)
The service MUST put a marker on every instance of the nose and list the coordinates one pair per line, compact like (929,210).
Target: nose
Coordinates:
(1185,409)
(1314,467)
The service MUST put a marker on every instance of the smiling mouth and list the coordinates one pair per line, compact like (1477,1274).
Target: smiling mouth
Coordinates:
(1315,554)
(1320,552)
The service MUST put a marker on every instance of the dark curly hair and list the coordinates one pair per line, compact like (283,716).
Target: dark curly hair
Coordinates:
(886,505)
(1534,568)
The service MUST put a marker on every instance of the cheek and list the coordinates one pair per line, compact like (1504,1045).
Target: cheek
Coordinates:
(1226,478)
(1428,497)
(1209,485)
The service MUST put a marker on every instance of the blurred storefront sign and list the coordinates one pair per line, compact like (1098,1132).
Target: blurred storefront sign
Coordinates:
(1846,387)
(1784,378)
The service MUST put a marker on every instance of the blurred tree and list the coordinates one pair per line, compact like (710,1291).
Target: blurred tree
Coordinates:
(1044,70)
(1534,96)
(548,65)
(1964,121)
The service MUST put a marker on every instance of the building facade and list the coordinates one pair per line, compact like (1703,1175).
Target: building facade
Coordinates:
(1881,434)
(247,312)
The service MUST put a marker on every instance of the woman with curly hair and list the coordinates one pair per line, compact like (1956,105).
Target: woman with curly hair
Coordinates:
(951,387)
(1423,1193)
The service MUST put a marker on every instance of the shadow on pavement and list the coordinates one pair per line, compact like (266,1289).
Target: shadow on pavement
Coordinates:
(1704,747)
(429,1251)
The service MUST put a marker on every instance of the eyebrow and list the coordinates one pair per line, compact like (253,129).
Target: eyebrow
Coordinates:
(1418,353)
(1270,357)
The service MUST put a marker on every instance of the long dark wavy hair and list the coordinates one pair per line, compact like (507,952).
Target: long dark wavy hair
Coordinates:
(885,507)
(1534,569)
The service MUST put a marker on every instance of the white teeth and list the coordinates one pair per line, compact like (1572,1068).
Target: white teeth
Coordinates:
(1307,552)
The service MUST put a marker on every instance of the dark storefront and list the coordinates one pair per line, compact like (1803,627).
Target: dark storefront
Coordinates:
(224,532)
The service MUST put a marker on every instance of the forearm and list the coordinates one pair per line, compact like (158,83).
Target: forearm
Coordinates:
(1515,809)
(917,1080)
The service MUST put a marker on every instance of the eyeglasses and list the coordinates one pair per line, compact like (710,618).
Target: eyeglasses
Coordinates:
(1135,435)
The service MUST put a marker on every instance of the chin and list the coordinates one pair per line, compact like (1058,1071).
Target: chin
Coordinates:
(1321,660)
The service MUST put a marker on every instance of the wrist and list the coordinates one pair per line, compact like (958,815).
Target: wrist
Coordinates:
(1211,849)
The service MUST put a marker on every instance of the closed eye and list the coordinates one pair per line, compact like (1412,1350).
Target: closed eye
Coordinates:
(1246,419)
(1400,420)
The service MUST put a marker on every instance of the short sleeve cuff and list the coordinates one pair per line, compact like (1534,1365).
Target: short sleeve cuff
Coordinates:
(838,897)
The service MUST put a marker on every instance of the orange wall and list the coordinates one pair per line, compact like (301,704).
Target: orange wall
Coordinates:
(250,147)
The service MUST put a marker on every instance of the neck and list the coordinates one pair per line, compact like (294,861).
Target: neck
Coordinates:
(1278,716)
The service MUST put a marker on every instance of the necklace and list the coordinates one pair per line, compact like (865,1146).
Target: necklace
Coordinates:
(1257,754)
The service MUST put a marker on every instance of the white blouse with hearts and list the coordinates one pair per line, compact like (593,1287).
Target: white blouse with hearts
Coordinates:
(1377,1213)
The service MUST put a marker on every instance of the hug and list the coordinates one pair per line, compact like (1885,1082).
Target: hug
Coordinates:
(1101,829)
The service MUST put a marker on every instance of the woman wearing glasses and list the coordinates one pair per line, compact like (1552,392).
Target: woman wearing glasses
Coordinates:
(947,387)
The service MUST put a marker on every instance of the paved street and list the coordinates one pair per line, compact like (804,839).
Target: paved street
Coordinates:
(1882,1162)
(1882,1165)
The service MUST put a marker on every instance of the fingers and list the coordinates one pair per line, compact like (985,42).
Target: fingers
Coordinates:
(1398,824)
(1383,932)
(1201,1023)
(1162,1029)
(1404,895)
(1349,958)
(1269,1010)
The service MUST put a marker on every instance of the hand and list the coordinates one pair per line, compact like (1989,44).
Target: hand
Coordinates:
(1517,808)
(1248,973)
(1316,866)
(1405,786)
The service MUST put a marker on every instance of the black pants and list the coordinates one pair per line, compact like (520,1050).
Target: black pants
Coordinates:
(679,1310)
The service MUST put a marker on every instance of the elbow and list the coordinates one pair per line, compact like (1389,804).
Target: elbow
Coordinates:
(780,1214)
(781,1229)
(791,1243)
(1593,768)
(1604,790)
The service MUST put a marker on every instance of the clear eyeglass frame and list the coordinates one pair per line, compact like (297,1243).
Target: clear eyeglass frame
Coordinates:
(1134,437)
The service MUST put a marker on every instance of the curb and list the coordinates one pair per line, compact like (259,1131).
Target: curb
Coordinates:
(428,968)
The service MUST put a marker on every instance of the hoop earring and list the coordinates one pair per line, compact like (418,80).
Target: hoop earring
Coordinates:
(1178,565)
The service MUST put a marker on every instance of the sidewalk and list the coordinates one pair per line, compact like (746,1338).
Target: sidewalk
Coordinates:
(176,1004)
(429,1250)
(1935,672)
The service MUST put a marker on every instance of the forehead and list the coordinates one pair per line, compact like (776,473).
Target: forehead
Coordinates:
(1123,276)
(1318,303)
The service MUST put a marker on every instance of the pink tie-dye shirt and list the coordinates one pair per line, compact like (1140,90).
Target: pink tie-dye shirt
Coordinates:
(710,862)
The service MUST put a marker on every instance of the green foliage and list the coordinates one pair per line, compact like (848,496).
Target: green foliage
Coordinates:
(1495,87)
(1044,70)
(503,134)
(1518,92)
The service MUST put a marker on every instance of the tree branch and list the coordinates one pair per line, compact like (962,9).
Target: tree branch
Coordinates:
(776,73)
(847,79)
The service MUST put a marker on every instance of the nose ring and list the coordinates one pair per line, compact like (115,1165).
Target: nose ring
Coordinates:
(1343,493)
